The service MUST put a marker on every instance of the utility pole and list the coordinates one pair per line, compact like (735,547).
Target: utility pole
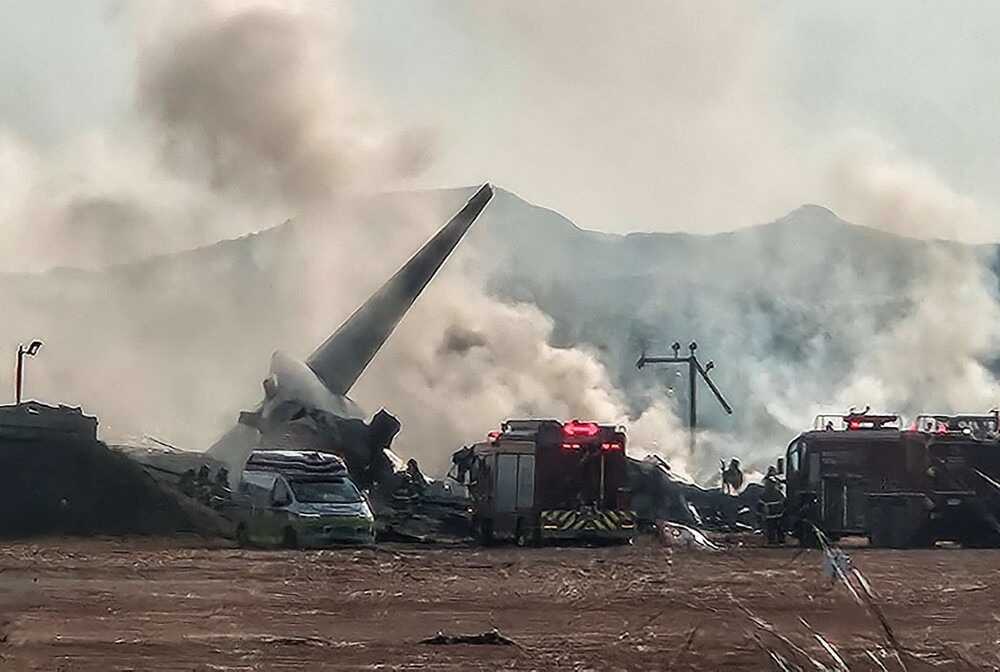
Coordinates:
(695,369)
(30,351)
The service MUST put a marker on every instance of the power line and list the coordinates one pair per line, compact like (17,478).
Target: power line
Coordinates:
(695,369)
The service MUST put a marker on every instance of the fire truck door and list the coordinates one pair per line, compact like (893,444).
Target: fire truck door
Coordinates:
(506,492)
(857,507)
(525,481)
(844,503)
(834,504)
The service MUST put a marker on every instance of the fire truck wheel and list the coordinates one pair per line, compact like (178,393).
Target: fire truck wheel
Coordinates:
(484,530)
(524,536)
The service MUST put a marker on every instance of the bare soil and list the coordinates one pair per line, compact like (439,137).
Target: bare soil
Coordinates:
(183,604)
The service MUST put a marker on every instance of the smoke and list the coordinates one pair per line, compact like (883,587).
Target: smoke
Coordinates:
(936,354)
(239,123)
(236,125)
(720,125)
(246,105)
(245,115)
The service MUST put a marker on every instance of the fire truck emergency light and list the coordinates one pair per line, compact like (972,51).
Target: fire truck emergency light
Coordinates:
(577,428)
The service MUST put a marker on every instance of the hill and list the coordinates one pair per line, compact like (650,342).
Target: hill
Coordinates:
(803,312)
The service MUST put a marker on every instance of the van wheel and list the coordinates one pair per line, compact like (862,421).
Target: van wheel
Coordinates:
(242,539)
(290,539)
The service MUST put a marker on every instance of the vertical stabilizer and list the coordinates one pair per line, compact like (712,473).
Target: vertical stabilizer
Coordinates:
(345,355)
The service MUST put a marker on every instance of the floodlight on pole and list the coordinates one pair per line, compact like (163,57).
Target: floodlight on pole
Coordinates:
(22,351)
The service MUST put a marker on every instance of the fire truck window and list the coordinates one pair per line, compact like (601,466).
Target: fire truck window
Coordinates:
(506,488)
(475,469)
(813,462)
(793,459)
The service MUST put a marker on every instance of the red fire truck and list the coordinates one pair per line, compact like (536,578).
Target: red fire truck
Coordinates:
(539,480)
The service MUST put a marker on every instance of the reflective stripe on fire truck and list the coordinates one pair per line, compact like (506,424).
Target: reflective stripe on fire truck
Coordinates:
(587,520)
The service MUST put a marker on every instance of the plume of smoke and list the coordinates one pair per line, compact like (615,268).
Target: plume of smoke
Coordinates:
(936,355)
(238,124)
(463,362)
(246,104)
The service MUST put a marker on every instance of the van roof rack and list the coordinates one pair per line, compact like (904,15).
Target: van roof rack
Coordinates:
(287,461)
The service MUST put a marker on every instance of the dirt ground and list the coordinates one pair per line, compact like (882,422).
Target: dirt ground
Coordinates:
(170,604)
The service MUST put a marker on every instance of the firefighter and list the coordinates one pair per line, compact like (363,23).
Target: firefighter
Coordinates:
(203,484)
(732,477)
(417,479)
(220,488)
(772,508)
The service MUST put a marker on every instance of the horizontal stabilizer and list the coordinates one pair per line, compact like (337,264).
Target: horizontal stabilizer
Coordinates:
(345,355)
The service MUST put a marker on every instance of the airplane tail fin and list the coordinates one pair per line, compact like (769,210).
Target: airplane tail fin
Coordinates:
(341,359)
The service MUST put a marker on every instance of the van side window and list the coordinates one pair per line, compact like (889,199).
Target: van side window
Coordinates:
(281,491)
(258,486)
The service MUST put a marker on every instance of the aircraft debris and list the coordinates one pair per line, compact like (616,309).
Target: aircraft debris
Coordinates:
(489,638)
(677,535)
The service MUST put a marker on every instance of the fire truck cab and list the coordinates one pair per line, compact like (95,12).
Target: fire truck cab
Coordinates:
(828,473)
(540,480)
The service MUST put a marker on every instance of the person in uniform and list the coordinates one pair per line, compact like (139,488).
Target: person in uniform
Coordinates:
(220,488)
(772,508)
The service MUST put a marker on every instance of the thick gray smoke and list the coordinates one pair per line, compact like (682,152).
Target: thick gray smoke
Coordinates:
(243,118)
(247,105)
(239,124)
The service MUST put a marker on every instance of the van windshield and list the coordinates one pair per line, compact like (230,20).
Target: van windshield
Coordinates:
(334,491)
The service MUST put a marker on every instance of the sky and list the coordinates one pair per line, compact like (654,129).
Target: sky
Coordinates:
(134,128)
(698,116)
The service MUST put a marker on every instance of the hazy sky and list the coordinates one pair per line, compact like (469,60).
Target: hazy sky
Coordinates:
(625,116)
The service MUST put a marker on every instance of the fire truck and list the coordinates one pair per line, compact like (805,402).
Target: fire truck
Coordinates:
(862,474)
(542,480)
(947,487)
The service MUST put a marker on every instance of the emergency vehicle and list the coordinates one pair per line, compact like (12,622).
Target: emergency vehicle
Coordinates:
(829,472)
(293,499)
(944,487)
(541,480)
(863,474)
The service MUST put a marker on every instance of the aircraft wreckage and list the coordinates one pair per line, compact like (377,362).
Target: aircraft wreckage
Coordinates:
(306,407)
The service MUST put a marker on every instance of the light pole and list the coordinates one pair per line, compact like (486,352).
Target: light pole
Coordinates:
(30,351)
(695,369)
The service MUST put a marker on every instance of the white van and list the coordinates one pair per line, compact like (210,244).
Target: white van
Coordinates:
(300,505)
